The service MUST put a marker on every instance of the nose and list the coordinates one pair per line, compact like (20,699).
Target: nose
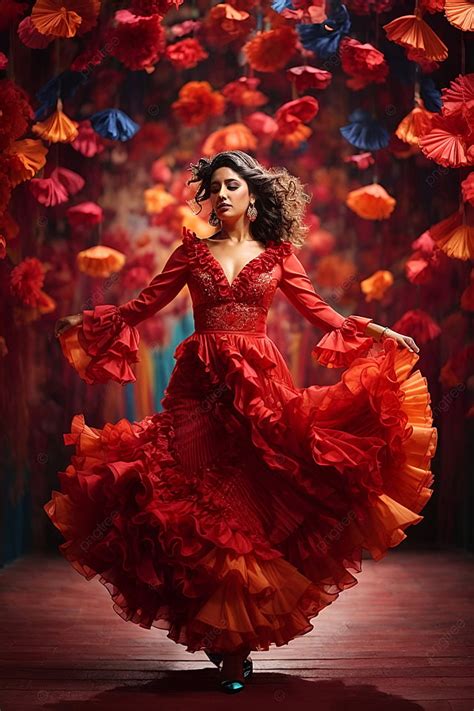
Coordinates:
(222,193)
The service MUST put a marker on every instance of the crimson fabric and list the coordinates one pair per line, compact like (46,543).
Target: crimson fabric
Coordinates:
(234,516)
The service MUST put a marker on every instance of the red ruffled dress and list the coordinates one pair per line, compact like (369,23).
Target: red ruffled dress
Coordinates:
(234,516)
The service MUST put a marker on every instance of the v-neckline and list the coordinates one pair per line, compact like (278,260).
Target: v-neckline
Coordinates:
(230,284)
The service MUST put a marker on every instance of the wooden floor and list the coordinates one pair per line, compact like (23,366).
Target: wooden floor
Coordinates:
(400,640)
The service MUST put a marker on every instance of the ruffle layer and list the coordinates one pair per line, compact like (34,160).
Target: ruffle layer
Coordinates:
(103,347)
(343,468)
(341,346)
(200,257)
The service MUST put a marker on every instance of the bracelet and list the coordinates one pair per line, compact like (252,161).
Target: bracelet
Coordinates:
(383,332)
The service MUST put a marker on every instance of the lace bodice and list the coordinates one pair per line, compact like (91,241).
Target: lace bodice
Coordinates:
(106,344)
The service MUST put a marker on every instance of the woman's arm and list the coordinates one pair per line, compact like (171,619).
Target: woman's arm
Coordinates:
(345,338)
(102,343)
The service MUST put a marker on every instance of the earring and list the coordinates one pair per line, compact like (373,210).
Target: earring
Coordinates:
(252,212)
(214,220)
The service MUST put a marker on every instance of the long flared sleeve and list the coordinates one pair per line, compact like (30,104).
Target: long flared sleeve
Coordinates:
(344,339)
(105,345)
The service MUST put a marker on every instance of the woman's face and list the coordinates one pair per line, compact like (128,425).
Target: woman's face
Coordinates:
(230,196)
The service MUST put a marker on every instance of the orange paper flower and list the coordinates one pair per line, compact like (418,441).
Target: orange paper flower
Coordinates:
(412,31)
(271,50)
(157,198)
(244,92)
(30,157)
(100,261)
(376,285)
(372,202)
(235,136)
(197,101)
(460,13)
(57,128)
(415,124)
(454,236)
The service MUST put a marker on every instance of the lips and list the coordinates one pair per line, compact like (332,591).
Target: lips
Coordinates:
(224,204)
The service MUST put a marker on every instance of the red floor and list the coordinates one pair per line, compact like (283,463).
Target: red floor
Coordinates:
(400,640)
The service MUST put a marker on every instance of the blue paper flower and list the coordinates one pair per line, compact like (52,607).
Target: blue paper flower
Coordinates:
(430,94)
(364,132)
(114,124)
(63,86)
(324,37)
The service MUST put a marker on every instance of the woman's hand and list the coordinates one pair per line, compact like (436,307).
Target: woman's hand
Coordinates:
(380,332)
(62,324)
(403,341)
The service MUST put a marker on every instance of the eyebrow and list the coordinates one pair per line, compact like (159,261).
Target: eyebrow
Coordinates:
(227,180)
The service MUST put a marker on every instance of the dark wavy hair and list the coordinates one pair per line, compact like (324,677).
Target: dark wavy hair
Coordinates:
(279,197)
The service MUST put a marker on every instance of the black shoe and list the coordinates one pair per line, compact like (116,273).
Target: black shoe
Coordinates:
(216,659)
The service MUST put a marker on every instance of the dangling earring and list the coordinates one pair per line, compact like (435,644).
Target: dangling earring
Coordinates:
(214,220)
(252,212)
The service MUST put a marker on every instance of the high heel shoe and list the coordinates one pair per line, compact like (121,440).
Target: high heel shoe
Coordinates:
(216,659)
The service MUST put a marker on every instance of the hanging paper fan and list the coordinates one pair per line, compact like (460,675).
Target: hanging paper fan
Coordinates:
(58,128)
(413,31)
(73,182)
(114,124)
(446,142)
(48,191)
(51,17)
(376,286)
(270,51)
(416,124)
(364,132)
(460,13)
(30,157)
(100,261)
(234,136)
(372,202)
(454,236)
(458,98)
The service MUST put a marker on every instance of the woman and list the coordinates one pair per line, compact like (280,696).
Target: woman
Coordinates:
(233,517)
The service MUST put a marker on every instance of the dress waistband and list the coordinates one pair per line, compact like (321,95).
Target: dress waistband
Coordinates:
(227,332)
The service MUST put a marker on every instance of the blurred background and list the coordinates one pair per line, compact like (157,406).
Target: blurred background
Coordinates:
(103,106)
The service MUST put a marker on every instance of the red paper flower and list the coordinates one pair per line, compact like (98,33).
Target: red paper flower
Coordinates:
(225,24)
(198,101)
(417,324)
(138,42)
(361,160)
(468,189)
(186,54)
(272,50)
(154,7)
(85,214)
(15,112)
(244,92)
(26,280)
(88,142)
(448,141)
(363,62)
(307,77)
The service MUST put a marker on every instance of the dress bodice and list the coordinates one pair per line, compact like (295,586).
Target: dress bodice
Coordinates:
(238,306)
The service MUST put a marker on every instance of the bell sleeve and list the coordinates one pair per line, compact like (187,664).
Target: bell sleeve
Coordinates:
(105,345)
(344,339)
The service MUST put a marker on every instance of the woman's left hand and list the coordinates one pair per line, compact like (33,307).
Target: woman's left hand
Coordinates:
(403,341)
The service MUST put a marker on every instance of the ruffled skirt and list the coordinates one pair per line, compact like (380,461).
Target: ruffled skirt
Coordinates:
(234,516)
